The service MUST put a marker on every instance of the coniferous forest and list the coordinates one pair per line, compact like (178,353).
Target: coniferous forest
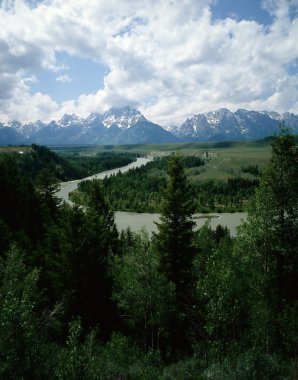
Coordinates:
(81,300)
(142,188)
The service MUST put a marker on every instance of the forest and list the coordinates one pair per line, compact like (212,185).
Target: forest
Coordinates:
(81,300)
(141,189)
(66,167)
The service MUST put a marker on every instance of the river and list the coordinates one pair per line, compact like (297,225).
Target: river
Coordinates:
(138,220)
(67,187)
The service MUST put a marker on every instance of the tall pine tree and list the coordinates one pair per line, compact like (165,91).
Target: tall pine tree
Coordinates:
(175,244)
(268,244)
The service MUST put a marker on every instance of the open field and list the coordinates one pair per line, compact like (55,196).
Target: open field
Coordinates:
(227,162)
(225,159)
(190,148)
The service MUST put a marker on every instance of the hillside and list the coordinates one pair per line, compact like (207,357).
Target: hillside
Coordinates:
(32,159)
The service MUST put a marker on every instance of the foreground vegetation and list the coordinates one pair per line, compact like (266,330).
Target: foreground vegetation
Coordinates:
(80,300)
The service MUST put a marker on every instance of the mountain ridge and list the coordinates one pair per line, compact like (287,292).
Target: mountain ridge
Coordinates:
(224,125)
(128,126)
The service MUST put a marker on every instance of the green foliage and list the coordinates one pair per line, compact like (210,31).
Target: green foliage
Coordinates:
(19,208)
(20,340)
(88,165)
(70,363)
(182,305)
(137,190)
(221,309)
(226,196)
(141,189)
(97,237)
(174,242)
(47,186)
(252,169)
(248,366)
(40,158)
(121,359)
(175,230)
(66,167)
(142,293)
(270,237)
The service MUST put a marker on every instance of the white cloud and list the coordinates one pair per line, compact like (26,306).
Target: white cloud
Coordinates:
(64,78)
(165,56)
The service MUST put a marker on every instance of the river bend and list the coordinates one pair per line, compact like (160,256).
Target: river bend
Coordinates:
(138,220)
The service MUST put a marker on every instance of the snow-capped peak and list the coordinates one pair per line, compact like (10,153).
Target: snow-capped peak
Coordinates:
(14,124)
(215,117)
(121,117)
(68,120)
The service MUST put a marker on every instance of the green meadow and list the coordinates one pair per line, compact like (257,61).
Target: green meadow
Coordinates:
(225,159)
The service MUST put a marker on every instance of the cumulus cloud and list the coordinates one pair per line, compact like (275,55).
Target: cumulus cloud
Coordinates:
(166,57)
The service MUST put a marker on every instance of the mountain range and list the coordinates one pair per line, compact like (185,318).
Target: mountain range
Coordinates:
(129,126)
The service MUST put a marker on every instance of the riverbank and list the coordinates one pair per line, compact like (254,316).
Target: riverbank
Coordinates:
(136,221)
(69,186)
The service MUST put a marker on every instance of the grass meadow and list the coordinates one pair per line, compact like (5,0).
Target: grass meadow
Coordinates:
(224,159)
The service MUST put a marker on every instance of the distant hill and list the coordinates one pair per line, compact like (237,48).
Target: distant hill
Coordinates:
(128,126)
(40,157)
(32,159)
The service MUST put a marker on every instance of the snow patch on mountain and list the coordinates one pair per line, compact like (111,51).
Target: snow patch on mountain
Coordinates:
(123,118)
(223,124)
(128,126)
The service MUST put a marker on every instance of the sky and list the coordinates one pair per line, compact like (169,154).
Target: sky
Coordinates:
(170,59)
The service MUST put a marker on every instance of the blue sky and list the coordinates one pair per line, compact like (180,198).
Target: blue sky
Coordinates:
(169,58)
(79,75)
(241,9)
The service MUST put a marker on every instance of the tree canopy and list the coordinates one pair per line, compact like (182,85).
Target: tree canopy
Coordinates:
(80,300)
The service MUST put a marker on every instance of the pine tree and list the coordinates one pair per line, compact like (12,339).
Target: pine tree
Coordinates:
(21,340)
(175,244)
(268,243)
(140,290)
(98,237)
(47,186)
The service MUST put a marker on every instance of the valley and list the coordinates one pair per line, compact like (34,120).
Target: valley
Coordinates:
(139,220)
(223,175)
(94,273)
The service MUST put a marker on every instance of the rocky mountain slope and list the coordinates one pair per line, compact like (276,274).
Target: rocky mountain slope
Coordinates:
(224,125)
(129,126)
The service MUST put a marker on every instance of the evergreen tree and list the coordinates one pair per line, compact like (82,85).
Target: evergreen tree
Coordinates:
(93,289)
(268,243)
(21,334)
(175,244)
(47,186)
(19,206)
(140,290)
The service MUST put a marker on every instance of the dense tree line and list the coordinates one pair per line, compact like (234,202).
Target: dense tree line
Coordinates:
(252,169)
(67,167)
(99,162)
(224,196)
(80,300)
(39,158)
(141,189)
